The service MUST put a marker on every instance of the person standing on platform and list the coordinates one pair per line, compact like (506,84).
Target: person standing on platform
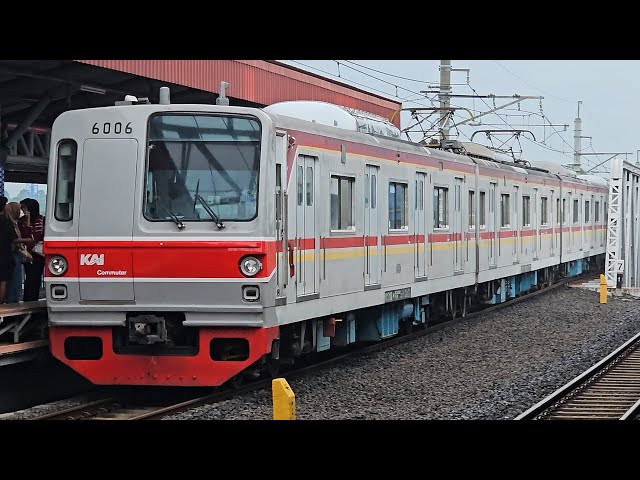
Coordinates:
(7,237)
(20,254)
(32,229)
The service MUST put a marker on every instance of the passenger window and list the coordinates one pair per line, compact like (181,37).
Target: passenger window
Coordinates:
(505,221)
(309,186)
(341,191)
(65,180)
(544,211)
(440,207)
(278,191)
(586,211)
(300,184)
(373,191)
(366,189)
(526,211)
(398,206)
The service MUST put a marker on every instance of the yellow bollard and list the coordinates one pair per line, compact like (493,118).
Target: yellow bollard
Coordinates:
(284,400)
(603,289)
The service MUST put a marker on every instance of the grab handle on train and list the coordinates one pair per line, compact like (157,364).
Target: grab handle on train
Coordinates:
(292,267)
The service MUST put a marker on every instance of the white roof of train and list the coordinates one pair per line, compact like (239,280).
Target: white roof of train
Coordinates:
(335,116)
(324,113)
(595,180)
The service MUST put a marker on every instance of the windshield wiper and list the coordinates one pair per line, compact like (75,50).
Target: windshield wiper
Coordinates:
(173,216)
(215,217)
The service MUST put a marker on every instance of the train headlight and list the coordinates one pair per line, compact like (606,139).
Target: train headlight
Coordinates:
(250,266)
(58,265)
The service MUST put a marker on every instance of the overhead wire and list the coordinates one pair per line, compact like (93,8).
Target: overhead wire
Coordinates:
(531,85)
(418,96)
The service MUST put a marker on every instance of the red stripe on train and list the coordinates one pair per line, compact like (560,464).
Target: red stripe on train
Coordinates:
(153,259)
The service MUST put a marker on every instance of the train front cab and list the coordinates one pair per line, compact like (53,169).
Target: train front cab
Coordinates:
(160,264)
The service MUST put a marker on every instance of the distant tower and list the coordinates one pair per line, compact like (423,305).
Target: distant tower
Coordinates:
(33,190)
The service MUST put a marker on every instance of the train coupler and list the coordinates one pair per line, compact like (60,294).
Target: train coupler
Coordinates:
(147,330)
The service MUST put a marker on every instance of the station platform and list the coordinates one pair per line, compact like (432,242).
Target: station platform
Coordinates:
(11,354)
(594,285)
(588,284)
(23,331)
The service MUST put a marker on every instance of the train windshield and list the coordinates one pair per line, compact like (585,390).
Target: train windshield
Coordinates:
(197,159)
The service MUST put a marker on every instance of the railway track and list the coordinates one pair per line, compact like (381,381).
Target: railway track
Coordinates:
(111,408)
(120,408)
(610,390)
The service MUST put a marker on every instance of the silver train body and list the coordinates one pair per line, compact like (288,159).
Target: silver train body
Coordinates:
(194,244)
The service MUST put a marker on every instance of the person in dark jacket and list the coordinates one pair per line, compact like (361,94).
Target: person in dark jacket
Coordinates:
(31,227)
(7,263)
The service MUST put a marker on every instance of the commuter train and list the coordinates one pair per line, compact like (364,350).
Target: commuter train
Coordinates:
(191,245)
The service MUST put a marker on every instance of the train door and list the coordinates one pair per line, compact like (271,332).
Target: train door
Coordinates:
(101,158)
(534,224)
(570,221)
(581,219)
(592,217)
(457,225)
(307,245)
(563,221)
(371,230)
(552,220)
(420,227)
(492,225)
(280,215)
(515,225)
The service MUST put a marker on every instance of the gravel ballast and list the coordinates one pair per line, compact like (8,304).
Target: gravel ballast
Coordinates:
(491,367)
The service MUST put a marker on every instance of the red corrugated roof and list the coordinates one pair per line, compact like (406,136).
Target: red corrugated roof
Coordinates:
(257,81)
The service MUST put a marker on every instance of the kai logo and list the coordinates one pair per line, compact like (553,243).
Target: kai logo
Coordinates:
(91,259)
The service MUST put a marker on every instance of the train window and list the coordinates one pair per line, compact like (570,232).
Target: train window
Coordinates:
(483,221)
(202,163)
(374,189)
(492,198)
(341,190)
(398,206)
(65,180)
(544,213)
(440,207)
(421,194)
(575,211)
(278,191)
(472,211)
(300,184)
(526,211)
(586,211)
(597,212)
(366,189)
(309,180)
(504,210)
(564,211)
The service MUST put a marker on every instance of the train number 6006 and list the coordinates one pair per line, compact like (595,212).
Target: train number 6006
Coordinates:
(108,128)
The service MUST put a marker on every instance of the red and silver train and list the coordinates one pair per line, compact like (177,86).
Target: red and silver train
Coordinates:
(190,245)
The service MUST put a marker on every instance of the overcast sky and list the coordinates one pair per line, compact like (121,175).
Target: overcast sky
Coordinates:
(608,90)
